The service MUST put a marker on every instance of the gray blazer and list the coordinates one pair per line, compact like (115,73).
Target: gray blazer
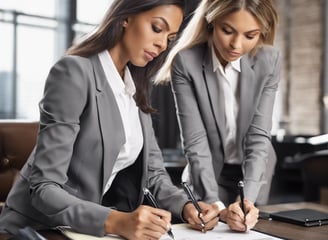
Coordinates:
(81,134)
(200,110)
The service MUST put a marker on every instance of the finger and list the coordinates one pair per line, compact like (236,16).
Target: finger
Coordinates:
(210,214)
(211,224)
(236,211)
(159,224)
(237,226)
(162,214)
(191,221)
(196,227)
(235,216)
(150,234)
(235,222)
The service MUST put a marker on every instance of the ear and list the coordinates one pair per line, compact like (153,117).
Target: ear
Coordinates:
(125,23)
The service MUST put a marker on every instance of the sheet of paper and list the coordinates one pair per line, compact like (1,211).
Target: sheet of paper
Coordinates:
(183,232)
(221,231)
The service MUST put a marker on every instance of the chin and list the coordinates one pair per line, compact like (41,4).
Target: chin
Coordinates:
(140,63)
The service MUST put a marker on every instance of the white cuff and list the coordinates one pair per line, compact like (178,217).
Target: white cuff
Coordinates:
(220,205)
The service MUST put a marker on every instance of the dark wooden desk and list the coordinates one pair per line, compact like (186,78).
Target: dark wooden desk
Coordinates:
(274,228)
(292,231)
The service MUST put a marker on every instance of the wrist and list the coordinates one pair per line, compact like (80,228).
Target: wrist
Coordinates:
(112,222)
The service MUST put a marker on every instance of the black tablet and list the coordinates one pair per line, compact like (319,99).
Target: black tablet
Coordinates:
(305,217)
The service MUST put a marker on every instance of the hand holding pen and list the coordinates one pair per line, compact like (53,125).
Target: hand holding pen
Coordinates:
(249,211)
(195,203)
(151,199)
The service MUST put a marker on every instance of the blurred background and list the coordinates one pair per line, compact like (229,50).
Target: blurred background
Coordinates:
(36,33)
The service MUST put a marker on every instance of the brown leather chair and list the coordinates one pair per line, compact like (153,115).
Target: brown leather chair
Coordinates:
(17,139)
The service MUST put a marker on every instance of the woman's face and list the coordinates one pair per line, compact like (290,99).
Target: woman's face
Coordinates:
(235,35)
(146,35)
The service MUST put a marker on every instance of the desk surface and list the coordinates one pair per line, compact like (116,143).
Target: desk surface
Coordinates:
(275,228)
(292,231)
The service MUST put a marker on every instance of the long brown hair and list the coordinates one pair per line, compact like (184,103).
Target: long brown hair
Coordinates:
(110,32)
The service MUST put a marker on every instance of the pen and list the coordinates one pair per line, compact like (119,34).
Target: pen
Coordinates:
(242,197)
(154,203)
(194,201)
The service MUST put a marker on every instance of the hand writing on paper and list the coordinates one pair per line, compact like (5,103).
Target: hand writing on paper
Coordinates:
(144,223)
(209,215)
(235,218)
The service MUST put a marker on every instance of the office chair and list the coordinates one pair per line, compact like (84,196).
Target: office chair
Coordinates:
(314,169)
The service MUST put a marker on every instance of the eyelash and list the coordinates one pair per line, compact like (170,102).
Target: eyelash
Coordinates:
(226,31)
(156,29)
(230,32)
(159,30)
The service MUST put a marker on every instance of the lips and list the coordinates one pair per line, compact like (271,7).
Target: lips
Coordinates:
(233,54)
(150,55)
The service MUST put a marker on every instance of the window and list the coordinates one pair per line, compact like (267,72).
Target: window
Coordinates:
(33,38)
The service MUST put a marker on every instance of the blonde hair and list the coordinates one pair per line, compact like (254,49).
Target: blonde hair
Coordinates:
(198,29)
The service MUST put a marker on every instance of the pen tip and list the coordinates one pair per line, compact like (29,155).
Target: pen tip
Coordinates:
(171,234)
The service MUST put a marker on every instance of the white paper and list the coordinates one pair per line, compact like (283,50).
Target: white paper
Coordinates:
(183,232)
(221,231)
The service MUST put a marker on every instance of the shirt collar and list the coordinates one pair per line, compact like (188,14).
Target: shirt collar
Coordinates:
(217,65)
(114,77)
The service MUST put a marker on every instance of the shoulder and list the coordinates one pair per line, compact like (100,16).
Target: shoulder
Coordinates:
(71,65)
(192,56)
(195,51)
(74,62)
(268,54)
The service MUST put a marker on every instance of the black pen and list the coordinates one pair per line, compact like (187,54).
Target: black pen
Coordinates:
(194,201)
(154,203)
(242,196)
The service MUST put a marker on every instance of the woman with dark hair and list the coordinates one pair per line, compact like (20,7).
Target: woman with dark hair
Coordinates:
(96,150)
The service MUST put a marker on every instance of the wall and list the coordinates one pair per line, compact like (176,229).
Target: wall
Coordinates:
(300,38)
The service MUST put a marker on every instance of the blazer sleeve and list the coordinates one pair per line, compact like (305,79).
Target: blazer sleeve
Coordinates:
(193,132)
(257,148)
(64,100)
(169,196)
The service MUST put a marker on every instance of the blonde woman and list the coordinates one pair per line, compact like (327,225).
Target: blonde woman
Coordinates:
(224,74)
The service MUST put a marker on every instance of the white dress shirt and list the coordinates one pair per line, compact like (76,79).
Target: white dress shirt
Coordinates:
(229,82)
(123,92)
(228,88)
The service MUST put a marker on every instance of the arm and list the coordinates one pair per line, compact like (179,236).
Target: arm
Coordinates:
(158,180)
(193,132)
(64,100)
(257,141)
(168,195)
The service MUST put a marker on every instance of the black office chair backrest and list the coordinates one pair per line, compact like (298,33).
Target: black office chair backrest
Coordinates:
(314,167)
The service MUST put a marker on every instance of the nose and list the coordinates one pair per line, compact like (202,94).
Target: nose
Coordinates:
(161,43)
(236,42)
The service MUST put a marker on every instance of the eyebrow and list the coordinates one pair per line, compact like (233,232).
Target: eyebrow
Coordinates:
(250,31)
(164,20)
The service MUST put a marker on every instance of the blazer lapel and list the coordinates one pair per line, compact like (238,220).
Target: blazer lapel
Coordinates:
(213,88)
(145,150)
(247,95)
(109,120)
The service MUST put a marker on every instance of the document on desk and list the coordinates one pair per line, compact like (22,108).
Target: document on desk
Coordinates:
(183,232)
(220,232)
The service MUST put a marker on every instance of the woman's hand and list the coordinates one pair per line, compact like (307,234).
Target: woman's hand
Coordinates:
(209,215)
(235,218)
(144,223)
